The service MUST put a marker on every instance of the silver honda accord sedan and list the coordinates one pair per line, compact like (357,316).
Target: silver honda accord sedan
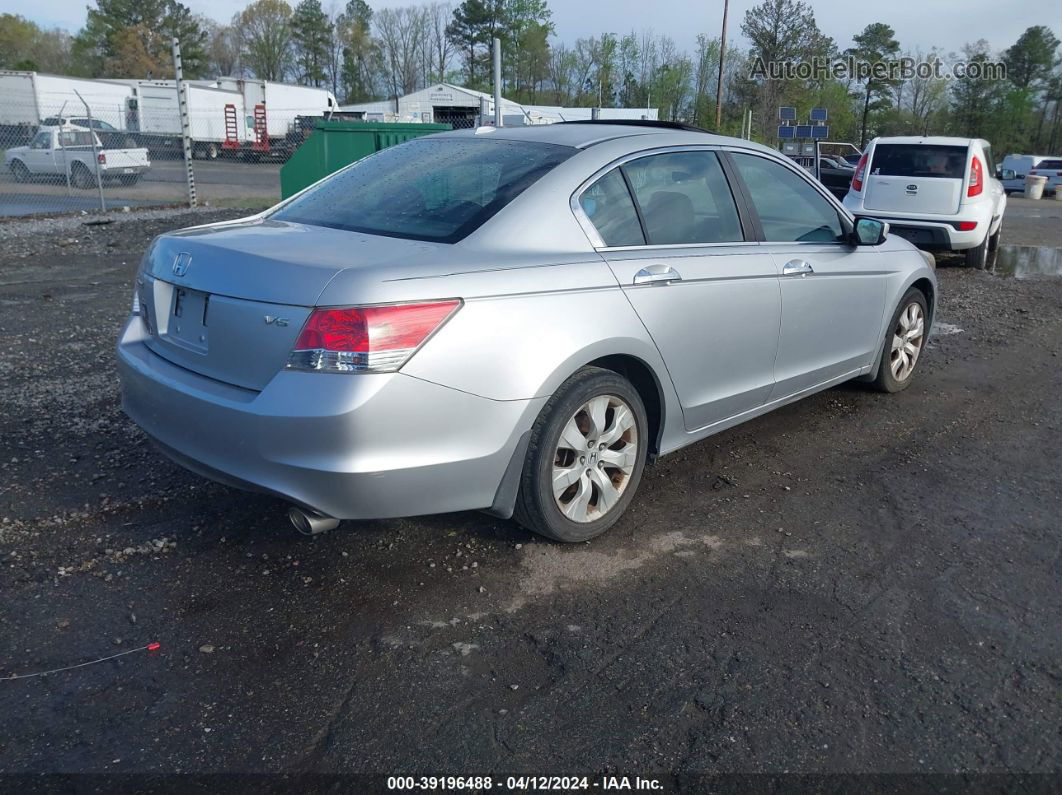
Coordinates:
(514,320)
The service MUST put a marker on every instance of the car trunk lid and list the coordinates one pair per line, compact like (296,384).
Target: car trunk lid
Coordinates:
(916,178)
(228,301)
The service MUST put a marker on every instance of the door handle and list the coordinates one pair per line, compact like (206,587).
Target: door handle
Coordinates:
(657,273)
(797,267)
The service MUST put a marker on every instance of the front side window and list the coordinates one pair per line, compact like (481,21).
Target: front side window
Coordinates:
(789,207)
(41,141)
(607,203)
(433,188)
(684,198)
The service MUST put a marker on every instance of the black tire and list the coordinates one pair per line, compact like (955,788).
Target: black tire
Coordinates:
(81,177)
(993,240)
(977,257)
(536,506)
(885,380)
(19,171)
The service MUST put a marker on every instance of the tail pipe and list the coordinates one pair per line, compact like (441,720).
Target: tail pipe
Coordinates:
(311,523)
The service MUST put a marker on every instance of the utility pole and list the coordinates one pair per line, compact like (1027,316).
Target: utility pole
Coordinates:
(498,120)
(719,85)
(186,129)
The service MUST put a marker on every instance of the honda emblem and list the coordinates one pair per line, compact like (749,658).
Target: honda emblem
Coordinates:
(181,263)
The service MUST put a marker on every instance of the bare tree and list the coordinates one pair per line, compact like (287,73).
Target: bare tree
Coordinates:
(440,49)
(401,34)
(334,61)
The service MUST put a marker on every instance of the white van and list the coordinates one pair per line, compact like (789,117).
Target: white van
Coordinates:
(1021,165)
(939,193)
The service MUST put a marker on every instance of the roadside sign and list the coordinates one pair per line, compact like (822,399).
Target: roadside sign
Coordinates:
(808,150)
(786,132)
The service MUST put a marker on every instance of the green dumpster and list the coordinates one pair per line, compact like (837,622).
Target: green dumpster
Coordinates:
(334,144)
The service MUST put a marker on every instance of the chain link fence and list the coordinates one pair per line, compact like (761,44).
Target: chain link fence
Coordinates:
(88,156)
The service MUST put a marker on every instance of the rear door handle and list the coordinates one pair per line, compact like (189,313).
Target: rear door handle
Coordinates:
(657,273)
(797,267)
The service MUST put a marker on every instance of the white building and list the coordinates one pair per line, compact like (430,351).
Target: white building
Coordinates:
(444,103)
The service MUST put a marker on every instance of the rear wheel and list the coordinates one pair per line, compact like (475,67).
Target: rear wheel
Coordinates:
(585,457)
(19,171)
(978,257)
(80,176)
(903,344)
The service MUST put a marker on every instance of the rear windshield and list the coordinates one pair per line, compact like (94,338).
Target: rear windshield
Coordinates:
(439,189)
(919,160)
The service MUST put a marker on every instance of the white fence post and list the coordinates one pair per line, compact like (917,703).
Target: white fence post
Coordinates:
(186,129)
(498,120)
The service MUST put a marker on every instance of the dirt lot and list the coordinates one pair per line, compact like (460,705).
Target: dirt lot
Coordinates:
(857,582)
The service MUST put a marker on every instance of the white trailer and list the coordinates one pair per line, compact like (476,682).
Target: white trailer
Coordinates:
(28,98)
(273,107)
(216,116)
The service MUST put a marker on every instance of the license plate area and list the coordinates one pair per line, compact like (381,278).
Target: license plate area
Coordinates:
(188,319)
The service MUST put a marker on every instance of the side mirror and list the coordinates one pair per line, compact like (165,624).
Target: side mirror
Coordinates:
(1008,173)
(870,232)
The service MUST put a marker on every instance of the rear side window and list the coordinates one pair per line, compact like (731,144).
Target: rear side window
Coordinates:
(684,198)
(607,203)
(789,207)
(72,138)
(919,160)
(438,189)
(1048,164)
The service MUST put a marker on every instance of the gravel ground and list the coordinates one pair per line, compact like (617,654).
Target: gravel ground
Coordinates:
(857,582)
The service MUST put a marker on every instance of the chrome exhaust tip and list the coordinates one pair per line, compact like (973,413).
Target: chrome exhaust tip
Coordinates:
(311,523)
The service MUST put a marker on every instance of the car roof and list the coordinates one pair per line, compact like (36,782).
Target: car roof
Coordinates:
(930,140)
(581,135)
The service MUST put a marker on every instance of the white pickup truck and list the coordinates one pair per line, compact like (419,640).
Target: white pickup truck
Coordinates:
(76,153)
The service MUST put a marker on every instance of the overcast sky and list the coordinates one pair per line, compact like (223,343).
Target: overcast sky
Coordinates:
(946,24)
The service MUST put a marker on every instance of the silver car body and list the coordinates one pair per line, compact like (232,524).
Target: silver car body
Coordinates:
(542,297)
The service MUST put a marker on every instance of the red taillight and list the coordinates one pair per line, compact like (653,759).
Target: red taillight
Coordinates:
(967,226)
(101,158)
(977,182)
(857,175)
(366,339)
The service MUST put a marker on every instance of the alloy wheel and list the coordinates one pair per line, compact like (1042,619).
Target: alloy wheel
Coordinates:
(907,339)
(595,458)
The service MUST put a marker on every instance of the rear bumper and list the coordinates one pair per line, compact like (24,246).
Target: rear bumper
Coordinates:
(125,171)
(929,235)
(349,446)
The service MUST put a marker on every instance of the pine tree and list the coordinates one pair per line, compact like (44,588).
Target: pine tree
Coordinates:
(311,31)
(106,41)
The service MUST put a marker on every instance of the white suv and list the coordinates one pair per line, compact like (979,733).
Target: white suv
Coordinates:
(939,193)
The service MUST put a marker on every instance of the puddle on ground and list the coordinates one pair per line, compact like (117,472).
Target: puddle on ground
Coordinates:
(1021,262)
